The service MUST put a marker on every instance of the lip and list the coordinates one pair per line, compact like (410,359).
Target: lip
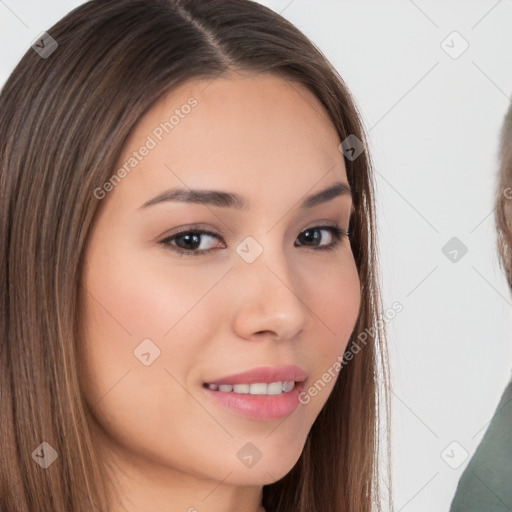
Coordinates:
(258,407)
(264,374)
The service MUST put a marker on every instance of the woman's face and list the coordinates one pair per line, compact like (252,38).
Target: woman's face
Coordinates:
(263,291)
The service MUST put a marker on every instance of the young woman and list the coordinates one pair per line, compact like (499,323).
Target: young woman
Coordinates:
(139,134)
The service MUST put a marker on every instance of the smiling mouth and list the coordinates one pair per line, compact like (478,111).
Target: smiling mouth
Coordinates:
(256,388)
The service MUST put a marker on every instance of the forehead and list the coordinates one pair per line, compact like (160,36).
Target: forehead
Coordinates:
(258,134)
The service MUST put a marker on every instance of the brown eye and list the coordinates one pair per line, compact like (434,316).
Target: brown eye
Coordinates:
(312,235)
(188,241)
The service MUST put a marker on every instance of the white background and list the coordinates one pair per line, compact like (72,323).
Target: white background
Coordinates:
(433,122)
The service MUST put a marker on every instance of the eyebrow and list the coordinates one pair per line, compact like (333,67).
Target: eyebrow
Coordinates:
(234,200)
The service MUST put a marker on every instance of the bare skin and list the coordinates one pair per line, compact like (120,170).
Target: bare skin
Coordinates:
(172,448)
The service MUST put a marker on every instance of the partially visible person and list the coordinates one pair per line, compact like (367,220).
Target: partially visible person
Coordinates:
(486,483)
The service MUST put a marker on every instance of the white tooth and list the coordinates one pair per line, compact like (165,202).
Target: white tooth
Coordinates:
(288,386)
(241,388)
(258,388)
(275,388)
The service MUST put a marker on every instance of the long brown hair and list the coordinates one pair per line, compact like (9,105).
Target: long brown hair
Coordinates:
(64,118)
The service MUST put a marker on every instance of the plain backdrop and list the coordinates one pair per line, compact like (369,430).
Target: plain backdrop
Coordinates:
(433,102)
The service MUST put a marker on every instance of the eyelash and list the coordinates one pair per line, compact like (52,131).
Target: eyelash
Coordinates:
(338,233)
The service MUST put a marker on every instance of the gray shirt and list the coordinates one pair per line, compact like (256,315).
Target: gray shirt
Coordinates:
(486,483)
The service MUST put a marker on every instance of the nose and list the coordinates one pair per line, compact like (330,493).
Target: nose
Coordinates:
(268,301)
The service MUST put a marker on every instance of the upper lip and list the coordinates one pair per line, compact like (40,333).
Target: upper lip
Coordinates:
(264,374)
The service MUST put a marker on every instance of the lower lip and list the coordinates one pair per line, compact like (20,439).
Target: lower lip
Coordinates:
(260,407)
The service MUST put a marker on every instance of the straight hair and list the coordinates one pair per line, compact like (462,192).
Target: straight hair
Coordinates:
(64,119)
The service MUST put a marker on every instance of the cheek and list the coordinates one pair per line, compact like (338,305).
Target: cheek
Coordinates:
(136,404)
(131,298)
(335,300)
(339,300)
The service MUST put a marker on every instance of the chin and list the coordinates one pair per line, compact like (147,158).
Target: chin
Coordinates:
(263,472)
